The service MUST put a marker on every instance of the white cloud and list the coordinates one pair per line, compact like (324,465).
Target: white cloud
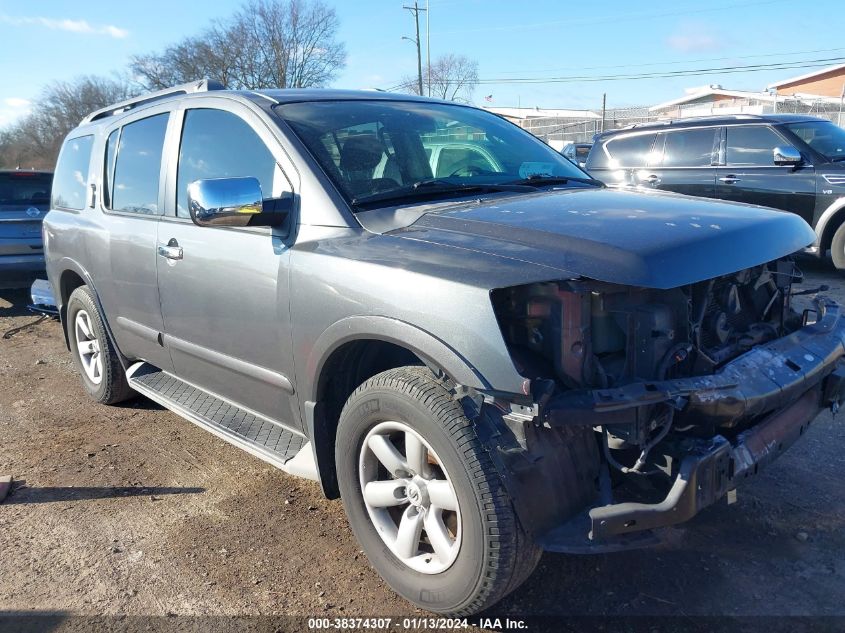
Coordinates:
(73,26)
(13,108)
(17,102)
(693,37)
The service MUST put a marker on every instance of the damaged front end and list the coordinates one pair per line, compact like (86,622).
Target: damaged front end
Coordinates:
(648,405)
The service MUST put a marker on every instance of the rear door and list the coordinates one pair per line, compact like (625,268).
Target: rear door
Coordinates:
(750,175)
(684,162)
(24,200)
(125,251)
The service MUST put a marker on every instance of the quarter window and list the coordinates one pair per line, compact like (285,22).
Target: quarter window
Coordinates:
(70,184)
(752,146)
(689,148)
(137,170)
(219,144)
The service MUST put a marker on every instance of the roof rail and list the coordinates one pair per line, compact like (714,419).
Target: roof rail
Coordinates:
(203,85)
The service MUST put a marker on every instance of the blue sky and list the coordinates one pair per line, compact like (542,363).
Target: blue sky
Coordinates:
(55,40)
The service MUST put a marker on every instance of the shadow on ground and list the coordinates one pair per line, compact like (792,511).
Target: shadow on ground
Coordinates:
(22,494)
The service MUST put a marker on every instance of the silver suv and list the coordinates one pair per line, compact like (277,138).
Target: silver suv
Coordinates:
(467,356)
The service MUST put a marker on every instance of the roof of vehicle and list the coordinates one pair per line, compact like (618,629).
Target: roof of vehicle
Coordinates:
(277,96)
(27,172)
(733,119)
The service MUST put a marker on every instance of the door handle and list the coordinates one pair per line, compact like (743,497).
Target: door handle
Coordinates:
(729,180)
(170,251)
(652,179)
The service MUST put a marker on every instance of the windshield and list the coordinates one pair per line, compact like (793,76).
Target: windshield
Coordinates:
(823,136)
(374,149)
(24,187)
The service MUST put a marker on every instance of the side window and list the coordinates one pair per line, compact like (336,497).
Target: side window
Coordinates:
(137,168)
(631,151)
(70,184)
(689,148)
(752,146)
(219,144)
(462,160)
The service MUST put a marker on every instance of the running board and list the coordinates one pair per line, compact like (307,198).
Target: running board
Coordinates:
(250,431)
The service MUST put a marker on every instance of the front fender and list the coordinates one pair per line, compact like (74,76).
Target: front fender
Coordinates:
(425,345)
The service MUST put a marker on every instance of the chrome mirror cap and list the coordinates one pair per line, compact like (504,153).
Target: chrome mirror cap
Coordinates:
(224,201)
(786,156)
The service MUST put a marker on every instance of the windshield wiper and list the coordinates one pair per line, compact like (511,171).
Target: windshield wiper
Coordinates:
(437,186)
(541,180)
(836,159)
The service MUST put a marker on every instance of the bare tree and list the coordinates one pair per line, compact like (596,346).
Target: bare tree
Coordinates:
(453,78)
(267,44)
(34,141)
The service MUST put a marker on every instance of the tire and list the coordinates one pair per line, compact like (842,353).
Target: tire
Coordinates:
(98,363)
(489,555)
(837,248)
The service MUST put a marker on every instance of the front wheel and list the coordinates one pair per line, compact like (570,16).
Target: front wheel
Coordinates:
(837,248)
(423,497)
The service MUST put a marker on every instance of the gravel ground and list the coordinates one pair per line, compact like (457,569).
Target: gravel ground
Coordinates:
(131,510)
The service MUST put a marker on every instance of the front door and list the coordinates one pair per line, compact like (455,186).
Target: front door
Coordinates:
(750,175)
(224,291)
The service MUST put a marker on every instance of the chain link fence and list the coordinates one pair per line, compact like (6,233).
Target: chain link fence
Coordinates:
(559,131)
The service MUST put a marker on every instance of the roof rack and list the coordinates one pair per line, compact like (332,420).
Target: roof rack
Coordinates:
(203,85)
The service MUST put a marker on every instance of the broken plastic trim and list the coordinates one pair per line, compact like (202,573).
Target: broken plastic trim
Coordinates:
(766,378)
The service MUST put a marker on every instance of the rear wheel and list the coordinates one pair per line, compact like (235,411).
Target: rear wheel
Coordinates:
(94,355)
(837,248)
(423,497)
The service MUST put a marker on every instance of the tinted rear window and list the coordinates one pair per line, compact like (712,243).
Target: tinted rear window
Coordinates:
(20,188)
(70,184)
(689,148)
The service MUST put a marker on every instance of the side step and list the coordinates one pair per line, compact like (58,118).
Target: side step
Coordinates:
(260,436)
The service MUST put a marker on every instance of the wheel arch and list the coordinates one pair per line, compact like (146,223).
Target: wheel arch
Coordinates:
(830,220)
(71,277)
(352,351)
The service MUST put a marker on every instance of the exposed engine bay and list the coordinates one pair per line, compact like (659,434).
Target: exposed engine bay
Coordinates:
(583,335)
(589,334)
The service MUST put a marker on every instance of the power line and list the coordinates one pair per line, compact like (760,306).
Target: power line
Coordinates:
(782,65)
(685,61)
(811,63)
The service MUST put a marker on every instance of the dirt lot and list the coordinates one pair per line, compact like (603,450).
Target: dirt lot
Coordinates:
(132,510)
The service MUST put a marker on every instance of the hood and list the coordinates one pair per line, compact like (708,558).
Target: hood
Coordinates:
(653,240)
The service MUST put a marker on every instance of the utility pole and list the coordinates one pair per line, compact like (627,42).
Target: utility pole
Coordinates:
(428,45)
(603,109)
(416,11)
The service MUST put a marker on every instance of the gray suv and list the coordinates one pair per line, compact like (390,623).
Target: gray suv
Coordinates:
(468,359)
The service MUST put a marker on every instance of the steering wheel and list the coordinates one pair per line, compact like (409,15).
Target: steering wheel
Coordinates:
(470,170)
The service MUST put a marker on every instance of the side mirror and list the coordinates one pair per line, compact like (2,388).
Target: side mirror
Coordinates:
(787,156)
(234,202)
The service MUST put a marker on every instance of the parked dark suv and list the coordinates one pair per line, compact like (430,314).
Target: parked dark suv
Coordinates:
(464,357)
(790,162)
(24,201)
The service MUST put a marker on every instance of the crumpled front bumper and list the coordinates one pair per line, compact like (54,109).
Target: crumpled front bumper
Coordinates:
(782,385)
